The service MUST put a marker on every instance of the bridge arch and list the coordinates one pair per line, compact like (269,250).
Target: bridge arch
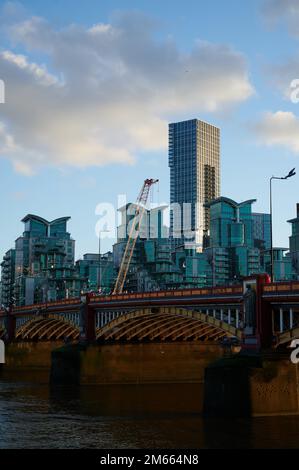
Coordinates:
(47,328)
(166,324)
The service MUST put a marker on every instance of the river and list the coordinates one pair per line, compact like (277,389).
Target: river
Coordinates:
(128,416)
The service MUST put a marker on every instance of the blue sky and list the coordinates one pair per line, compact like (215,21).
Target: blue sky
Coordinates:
(90,87)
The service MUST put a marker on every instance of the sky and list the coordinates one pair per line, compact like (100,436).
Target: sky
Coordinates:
(90,88)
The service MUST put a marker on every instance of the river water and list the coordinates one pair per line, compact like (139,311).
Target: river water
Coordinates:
(128,416)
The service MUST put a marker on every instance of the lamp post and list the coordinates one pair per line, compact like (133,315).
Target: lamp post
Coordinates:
(99,275)
(289,175)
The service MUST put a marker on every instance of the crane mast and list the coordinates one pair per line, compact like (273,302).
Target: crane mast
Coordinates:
(133,235)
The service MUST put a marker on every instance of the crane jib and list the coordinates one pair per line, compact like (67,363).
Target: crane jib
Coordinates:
(133,235)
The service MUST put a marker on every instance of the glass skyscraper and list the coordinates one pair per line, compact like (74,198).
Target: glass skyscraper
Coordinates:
(261,230)
(194,162)
(231,229)
(44,262)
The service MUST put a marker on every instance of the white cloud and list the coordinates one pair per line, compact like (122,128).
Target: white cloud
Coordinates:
(282,76)
(275,11)
(279,129)
(285,12)
(38,72)
(100,28)
(103,94)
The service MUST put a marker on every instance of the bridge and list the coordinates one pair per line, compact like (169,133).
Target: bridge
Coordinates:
(208,315)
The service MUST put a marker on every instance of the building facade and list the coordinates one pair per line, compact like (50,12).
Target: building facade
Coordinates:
(194,162)
(206,269)
(230,254)
(261,227)
(98,274)
(8,277)
(151,267)
(294,244)
(232,229)
(44,262)
(282,266)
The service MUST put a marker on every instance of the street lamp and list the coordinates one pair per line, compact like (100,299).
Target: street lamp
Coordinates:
(289,175)
(99,276)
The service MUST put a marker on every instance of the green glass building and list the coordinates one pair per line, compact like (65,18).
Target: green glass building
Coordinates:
(152,267)
(7,278)
(294,244)
(230,254)
(283,270)
(261,227)
(98,274)
(44,262)
(231,228)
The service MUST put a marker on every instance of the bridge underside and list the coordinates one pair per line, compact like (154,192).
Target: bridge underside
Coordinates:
(47,329)
(166,324)
(143,325)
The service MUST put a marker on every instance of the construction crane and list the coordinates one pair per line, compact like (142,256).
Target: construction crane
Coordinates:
(133,235)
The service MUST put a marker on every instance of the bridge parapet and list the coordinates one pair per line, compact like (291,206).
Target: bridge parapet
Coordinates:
(213,293)
(280,289)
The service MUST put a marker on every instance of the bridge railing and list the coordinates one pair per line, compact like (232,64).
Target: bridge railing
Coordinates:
(281,287)
(213,291)
(47,305)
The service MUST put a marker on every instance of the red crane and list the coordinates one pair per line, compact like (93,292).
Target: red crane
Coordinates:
(133,235)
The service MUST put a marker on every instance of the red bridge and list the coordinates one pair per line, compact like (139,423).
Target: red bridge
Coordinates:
(209,314)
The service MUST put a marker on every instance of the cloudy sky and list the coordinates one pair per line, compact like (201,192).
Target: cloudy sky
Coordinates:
(91,87)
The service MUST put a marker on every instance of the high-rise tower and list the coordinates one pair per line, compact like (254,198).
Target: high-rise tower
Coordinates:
(194,161)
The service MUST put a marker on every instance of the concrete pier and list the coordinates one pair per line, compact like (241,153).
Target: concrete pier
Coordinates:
(133,363)
(245,386)
(26,361)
